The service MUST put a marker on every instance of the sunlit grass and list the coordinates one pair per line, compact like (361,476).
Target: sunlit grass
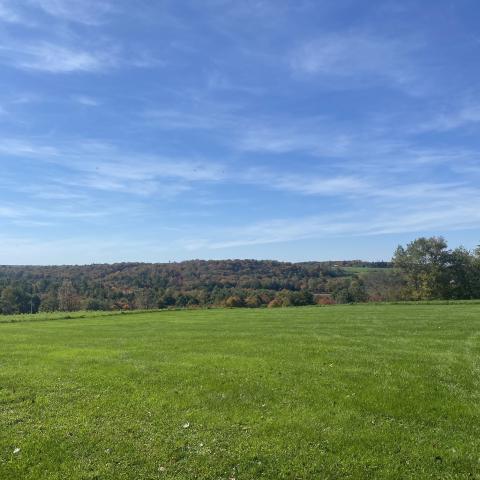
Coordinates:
(361,392)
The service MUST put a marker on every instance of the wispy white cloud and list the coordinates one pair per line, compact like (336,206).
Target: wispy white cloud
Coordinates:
(20,212)
(387,187)
(381,204)
(307,183)
(35,250)
(49,192)
(463,117)
(360,58)
(90,12)
(10,212)
(218,81)
(62,48)
(366,142)
(19,147)
(7,13)
(188,120)
(263,134)
(286,138)
(53,58)
(461,215)
(107,167)
(108,161)
(103,166)
(86,100)
(26,98)
(72,54)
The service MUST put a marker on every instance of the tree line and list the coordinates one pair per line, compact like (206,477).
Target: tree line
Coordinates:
(196,283)
(425,269)
(433,271)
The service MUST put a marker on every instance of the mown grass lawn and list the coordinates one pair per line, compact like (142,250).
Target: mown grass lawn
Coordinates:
(361,392)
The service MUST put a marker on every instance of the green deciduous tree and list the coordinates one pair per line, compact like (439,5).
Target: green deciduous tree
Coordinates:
(432,271)
(348,290)
(14,299)
(424,263)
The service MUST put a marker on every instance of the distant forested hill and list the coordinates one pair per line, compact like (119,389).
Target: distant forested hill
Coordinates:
(425,269)
(192,283)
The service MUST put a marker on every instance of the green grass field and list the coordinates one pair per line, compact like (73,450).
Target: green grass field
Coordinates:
(360,392)
(366,270)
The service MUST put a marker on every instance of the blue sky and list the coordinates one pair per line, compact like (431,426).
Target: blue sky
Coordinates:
(295,130)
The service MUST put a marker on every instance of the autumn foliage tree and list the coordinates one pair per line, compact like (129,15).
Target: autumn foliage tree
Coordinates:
(68,300)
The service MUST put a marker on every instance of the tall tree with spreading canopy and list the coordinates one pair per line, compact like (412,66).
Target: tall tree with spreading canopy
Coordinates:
(424,263)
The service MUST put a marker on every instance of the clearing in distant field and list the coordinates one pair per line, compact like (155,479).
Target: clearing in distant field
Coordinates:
(362,392)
